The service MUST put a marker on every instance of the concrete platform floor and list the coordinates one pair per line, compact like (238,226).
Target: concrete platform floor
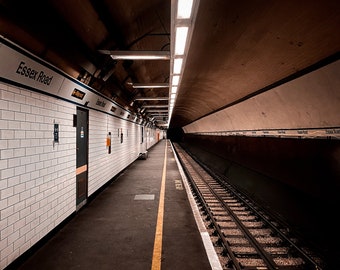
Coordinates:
(116,230)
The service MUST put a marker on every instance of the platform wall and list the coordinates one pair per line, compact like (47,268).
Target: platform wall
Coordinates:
(38,178)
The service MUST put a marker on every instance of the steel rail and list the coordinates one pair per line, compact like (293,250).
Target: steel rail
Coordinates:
(267,257)
(270,224)
(193,184)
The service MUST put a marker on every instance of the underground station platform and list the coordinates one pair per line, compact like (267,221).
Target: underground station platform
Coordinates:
(144,219)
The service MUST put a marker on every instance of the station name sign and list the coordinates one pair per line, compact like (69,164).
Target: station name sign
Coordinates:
(23,69)
(31,73)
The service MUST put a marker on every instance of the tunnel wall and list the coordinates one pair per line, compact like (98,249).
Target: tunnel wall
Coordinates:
(308,106)
(309,165)
(295,179)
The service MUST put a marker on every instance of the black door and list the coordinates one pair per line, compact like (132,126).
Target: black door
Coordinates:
(82,156)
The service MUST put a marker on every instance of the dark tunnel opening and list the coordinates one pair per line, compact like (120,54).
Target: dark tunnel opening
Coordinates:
(175,134)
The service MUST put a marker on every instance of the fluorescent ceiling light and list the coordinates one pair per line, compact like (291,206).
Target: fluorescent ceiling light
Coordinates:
(184,9)
(175,80)
(138,55)
(178,65)
(183,16)
(181,38)
(150,85)
(156,111)
(155,106)
(152,98)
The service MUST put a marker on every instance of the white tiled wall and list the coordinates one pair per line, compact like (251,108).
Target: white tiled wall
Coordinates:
(37,187)
(37,177)
(102,165)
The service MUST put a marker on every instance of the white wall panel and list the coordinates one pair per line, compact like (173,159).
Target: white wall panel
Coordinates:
(104,166)
(37,186)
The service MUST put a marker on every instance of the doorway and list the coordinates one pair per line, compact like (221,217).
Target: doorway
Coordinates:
(82,157)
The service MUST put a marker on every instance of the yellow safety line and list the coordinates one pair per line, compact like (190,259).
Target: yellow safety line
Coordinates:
(157,248)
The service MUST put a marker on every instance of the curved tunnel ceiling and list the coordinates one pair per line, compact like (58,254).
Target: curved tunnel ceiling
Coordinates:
(238,48)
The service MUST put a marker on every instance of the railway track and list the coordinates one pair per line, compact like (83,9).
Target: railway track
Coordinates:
(244,236)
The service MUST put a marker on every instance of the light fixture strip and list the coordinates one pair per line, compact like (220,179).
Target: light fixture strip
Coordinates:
(138,55)
(151,98)
(183,16)
(150,85)
(184,8)
(181,38)
(155,106)
(178,62)
(150,111)
(175,80)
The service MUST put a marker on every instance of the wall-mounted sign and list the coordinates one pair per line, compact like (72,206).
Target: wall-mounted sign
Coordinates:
(82,134)
(23,70)
(56,133)
(78,94)
(36,75)
(101,102)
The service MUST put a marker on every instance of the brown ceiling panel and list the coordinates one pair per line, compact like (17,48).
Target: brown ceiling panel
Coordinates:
(83,19)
